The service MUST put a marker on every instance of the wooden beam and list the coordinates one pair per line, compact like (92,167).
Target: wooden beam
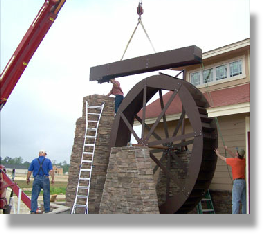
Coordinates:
(159,61)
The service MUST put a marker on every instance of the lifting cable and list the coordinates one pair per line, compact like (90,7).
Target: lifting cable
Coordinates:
(211,103)
(140,11)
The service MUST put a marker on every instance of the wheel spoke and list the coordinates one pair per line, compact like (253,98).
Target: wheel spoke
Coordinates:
(166,172)
(129,126)
(162,113)
(182,144)
(147,127)
(168,167)
(161,159)
(179,123)
(157,161)
(172,139)
(164,116)
(178,160)
(144,111)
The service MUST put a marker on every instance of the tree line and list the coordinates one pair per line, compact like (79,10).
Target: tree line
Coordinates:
(26,164)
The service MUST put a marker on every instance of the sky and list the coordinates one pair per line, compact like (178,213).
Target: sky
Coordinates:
(42,110)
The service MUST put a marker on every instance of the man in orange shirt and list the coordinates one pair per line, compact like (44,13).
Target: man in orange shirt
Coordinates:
(237,162)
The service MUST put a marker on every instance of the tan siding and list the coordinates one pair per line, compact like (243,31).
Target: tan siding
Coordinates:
(222,187)
(233,132)
(223,180)
(223,167)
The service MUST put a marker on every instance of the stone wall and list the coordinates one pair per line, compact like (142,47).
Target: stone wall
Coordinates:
(125,184)
(222,201)
(102,152)
(129,186)
(179,168)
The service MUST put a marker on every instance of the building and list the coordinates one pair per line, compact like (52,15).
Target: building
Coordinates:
(19,168)
(224,79)
(57,170)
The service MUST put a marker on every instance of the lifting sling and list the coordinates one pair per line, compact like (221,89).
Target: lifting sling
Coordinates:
(140,11)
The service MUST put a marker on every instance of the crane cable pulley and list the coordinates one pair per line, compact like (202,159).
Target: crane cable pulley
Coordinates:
(140,11)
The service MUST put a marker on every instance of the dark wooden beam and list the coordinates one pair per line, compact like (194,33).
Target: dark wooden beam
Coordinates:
(159,61)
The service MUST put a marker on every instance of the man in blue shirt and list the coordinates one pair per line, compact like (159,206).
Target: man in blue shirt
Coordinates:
(41,167)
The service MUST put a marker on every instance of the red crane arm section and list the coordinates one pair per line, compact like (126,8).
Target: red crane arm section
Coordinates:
(15,188)
(28,45)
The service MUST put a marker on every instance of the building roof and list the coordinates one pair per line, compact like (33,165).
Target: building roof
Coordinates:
(227,48)
(15,166)
(229,96)
(218,98)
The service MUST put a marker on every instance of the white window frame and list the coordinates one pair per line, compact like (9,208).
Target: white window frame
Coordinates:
(199,77)
(230,68)
(213,71)
(226,67)
(211,75)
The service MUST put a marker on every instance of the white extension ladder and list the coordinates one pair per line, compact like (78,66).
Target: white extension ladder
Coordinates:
(93,116)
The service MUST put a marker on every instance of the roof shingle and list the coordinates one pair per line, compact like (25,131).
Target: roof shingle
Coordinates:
(218,98)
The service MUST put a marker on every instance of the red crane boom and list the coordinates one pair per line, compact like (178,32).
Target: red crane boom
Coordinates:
(14,186)
(28,45)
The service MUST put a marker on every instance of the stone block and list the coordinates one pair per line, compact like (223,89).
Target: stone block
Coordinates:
(102,152)
(130,189)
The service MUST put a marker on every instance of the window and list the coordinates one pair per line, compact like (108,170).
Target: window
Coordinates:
(235,68)
(229,70)
(195,78)
(221,72)
(208,75)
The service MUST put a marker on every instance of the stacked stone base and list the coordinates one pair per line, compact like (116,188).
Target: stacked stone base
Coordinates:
(129,187)
(101,156)
(123,184)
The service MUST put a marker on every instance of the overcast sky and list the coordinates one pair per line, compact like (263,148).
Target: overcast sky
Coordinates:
(46,102)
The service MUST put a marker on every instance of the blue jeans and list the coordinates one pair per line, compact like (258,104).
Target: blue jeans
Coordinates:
(118,101)
(239,196)
(40,182)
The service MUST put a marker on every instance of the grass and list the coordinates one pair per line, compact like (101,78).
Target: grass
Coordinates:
(56,188)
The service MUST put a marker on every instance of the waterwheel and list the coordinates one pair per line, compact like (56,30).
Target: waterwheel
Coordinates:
(185,157)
